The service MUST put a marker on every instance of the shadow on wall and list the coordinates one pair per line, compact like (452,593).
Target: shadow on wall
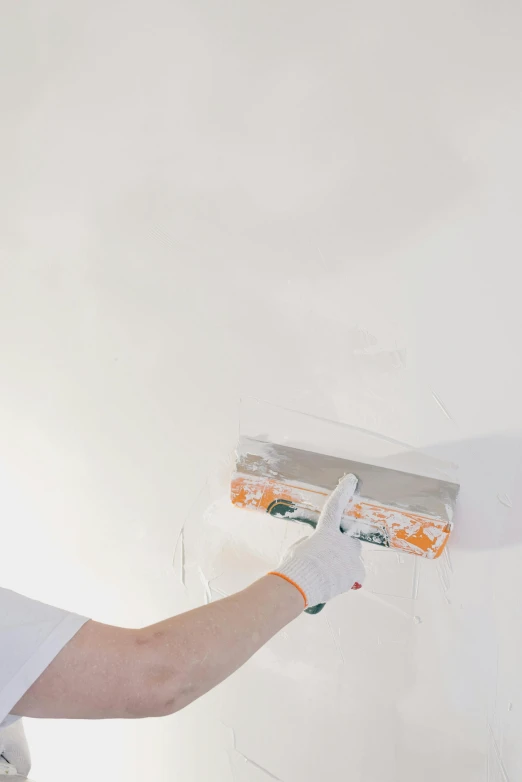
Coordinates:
(489,508)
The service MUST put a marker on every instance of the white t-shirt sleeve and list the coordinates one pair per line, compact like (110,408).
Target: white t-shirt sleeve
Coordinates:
(32,634)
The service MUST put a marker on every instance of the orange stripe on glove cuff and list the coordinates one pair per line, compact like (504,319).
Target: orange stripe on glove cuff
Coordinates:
(286,578)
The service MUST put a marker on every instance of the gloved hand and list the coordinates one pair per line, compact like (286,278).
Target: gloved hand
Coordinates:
(329,561)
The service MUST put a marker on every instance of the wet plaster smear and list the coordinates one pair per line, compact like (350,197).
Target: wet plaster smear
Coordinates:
(313,204)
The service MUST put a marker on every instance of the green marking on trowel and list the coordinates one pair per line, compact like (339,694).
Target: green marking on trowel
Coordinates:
(282,508)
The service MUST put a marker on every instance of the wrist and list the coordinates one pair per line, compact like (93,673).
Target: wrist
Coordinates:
(287,585)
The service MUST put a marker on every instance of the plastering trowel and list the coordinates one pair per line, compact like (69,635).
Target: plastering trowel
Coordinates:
(392,508)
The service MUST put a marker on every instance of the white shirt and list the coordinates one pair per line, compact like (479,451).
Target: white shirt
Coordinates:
(32,634)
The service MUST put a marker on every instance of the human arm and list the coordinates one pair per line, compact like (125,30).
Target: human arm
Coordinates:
(108,672)
(111,672)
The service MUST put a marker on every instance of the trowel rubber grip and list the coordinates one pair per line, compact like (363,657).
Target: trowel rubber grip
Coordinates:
(320,606)
(315,609)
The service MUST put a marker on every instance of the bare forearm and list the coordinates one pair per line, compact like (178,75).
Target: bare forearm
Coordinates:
(113,672)
(199,649)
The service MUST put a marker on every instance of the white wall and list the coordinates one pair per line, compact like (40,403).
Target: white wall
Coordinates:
(314,203)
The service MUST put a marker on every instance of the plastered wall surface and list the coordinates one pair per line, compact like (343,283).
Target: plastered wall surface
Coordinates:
(313,204)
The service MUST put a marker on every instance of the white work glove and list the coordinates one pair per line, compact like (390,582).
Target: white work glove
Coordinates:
(327,563)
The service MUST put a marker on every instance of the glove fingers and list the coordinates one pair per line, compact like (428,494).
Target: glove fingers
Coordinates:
(359,571)
(337,502)
(352,555)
